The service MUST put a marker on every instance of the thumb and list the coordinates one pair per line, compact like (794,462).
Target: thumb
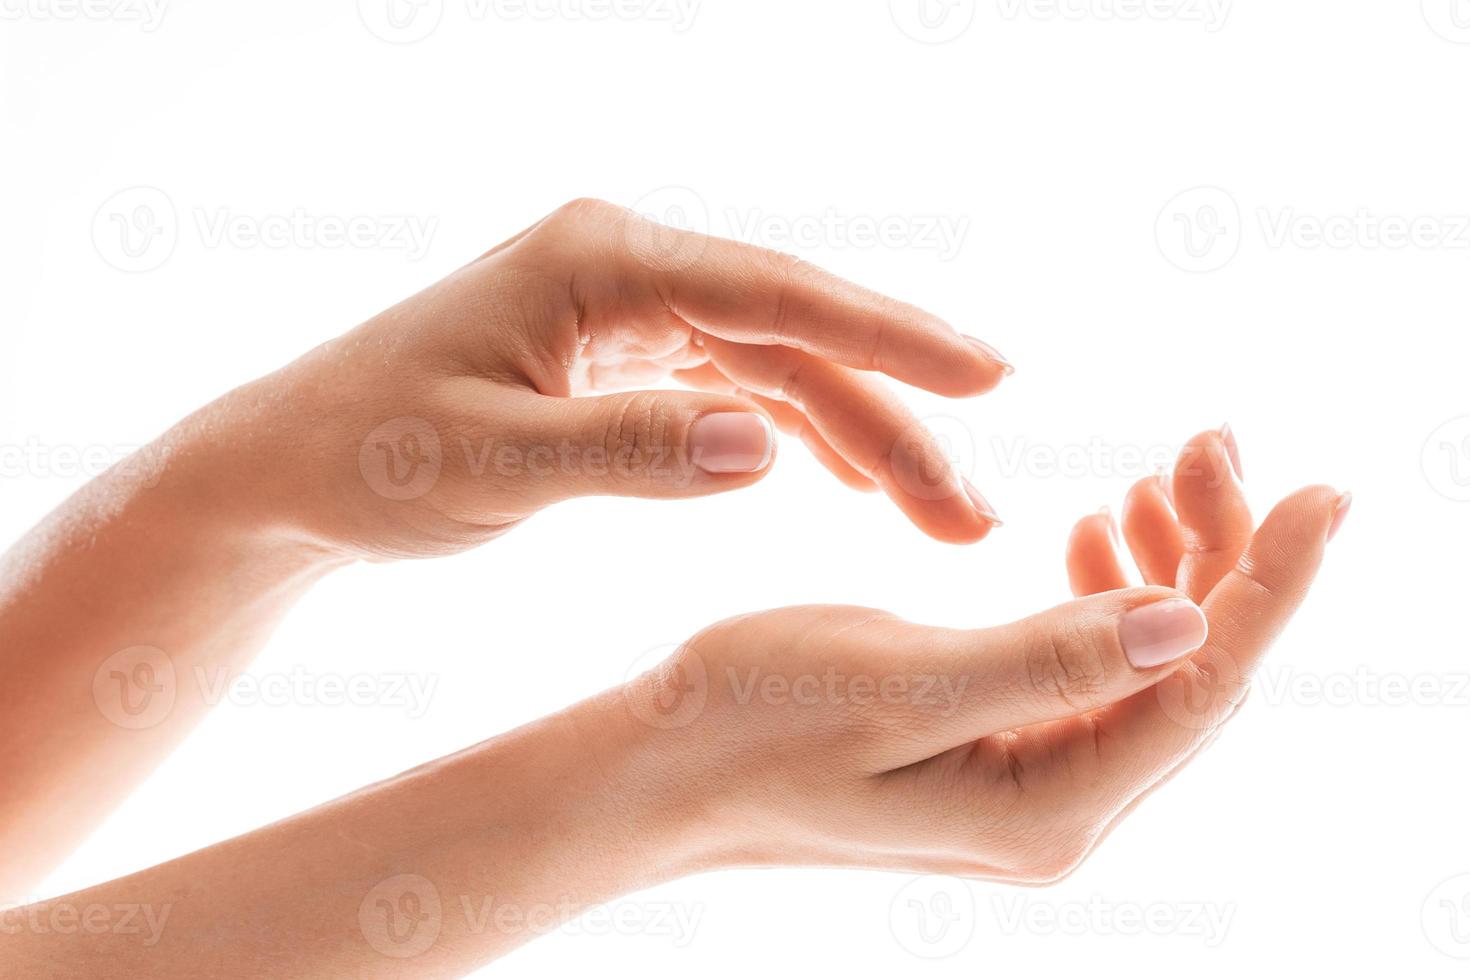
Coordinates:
(664,444)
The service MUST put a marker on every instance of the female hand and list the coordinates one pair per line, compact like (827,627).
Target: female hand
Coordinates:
(841,736)
(449,418)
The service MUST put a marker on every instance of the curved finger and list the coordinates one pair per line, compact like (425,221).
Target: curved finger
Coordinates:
(752,295)
(1147,733)
(864,422)
(788,419)
(1152,531)
(1213,516)
(1093,564)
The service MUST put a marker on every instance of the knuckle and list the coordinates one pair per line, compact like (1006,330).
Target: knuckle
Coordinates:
(1067,664)
(638,437)
(582,208)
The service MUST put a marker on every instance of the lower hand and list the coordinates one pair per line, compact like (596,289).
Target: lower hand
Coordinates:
(844,736)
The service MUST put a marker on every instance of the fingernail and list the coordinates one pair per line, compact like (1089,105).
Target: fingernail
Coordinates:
(1162,632)
(992,354)
(731,442)
(1232,449)
(981,505)
(1344,503)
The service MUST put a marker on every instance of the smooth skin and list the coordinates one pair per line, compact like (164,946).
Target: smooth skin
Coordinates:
(820,735)
(1006,753)
(183,559)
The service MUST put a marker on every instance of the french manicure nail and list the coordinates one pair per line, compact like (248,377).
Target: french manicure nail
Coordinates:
(1232,449)
(1162,632)
(731,442)
(992,354)
(1339,514)
(1107,513)
(981,505)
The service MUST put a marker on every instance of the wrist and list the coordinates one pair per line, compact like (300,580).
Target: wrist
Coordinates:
(212,478)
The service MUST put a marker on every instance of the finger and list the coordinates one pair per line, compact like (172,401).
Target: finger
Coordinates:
(1147,733)
(752,295)
(1152,531)
(1093,564)
(788,419)
(664,444)
(1213,516)
(1061,663)
(870,428)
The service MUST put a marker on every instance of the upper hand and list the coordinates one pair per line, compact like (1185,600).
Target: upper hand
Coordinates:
(450,417)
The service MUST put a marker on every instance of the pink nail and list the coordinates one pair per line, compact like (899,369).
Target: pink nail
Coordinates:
(981,505)
(1232,449)
(1162,632)
(731,442)
(1344,504)
(992,354)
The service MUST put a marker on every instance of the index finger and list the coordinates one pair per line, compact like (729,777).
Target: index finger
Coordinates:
(753,295)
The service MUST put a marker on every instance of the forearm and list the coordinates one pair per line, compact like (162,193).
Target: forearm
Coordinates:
(431,873)
(118,615)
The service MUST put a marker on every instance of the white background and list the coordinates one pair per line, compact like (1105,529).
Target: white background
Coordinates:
(1320,826)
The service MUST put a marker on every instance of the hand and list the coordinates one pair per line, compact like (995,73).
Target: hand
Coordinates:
(842,736)
(449,418)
